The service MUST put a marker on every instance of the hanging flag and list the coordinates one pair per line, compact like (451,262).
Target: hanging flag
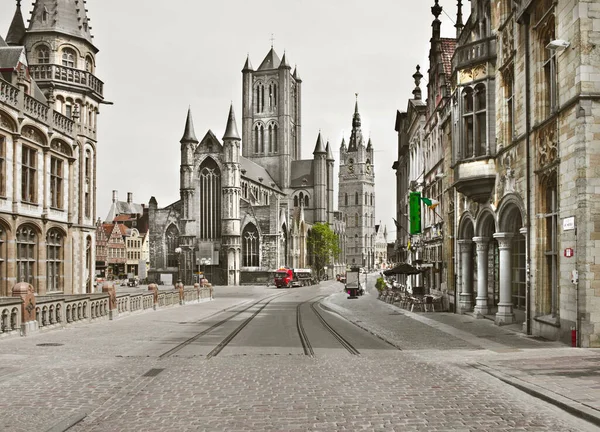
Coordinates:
(430,203)
(397,224)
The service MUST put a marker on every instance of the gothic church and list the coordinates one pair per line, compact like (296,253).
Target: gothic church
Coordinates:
(247,204)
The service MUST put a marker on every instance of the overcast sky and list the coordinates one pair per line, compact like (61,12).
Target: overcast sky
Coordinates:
(157,58)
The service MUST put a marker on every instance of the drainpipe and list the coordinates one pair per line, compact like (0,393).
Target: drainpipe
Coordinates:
(525,19)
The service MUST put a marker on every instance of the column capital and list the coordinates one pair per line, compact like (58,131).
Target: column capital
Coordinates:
(465,245)
(482,243)
(504,240)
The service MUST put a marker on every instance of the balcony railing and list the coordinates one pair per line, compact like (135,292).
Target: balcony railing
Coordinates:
(63,123)
(46,72)
(475,52)
(36,109)
(9,94)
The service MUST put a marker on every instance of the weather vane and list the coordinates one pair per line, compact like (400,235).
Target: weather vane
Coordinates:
(272,40)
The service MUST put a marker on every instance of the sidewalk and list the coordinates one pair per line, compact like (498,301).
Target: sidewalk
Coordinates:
(556,373)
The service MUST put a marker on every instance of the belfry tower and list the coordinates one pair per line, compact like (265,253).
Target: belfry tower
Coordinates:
(356,197)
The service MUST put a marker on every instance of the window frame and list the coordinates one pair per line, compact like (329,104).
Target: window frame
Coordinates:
(29,174)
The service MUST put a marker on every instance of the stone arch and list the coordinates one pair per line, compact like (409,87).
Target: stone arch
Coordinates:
(485,225)
(61,147)
(511,213)
(7,121)
(466,227)
(34,134)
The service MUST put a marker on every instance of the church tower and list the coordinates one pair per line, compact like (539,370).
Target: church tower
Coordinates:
(320,181)
(186,174)
(232,193)
(271,116)
(356,197)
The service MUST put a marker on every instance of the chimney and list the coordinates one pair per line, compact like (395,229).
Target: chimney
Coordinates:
(115,196)
(129,197)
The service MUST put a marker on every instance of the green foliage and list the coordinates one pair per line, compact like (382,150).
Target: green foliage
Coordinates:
(323,245)
(380,284)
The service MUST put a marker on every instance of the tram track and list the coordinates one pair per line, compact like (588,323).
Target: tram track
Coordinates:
(194,338)
(306,346)
(343,341)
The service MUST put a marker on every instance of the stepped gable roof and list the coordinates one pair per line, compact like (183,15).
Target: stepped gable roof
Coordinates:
(254,172)
(447,45)
(16,31)
(302,174)
(189,135)
(271,61)
(62,16)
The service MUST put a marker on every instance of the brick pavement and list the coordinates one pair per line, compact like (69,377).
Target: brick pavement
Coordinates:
(101,372)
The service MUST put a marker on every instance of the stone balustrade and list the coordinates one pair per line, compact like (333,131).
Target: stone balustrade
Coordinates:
(36,109)
(9,94)
(60,311)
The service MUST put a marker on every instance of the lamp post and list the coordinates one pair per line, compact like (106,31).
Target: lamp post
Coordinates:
(178,252)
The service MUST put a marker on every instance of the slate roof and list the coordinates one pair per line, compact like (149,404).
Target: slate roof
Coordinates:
(65,16)
(2,42)
(253,172)
(123,207)
(11,56)
(448,45)
(16,31)
(302,169)
(271,61)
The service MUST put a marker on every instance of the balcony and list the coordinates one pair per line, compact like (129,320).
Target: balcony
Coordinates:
(51,72)
(474,53)
(476,178)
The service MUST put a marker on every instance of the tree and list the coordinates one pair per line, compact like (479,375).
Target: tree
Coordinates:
(323,245)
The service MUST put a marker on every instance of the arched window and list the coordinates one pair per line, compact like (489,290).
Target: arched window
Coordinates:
(356,198)
(372,199)
(345,199)
(306,202)
(89,64)
(26,254)
(210,200)
(43,55)
(468,126)
(366,222)
(250,243)
(480,120)
(301,199)
(54,260)
(366,198)
(69,58)
(172,241)
(256,138)
(271,138)
(296,201)
(88,184)
(275,142)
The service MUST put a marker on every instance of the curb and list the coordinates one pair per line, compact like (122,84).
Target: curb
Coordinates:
(68,423)
(573,407)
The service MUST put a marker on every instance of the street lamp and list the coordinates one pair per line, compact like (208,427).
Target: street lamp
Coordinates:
(204,262)
(178,252)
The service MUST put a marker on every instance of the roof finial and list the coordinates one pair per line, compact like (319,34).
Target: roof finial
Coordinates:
(436,10)
(417,76)
(459,22)
(18,3)
(272,39)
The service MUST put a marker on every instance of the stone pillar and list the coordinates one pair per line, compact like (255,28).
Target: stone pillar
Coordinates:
(109,288)
(466,295)
(481,303)
(29,322)
(505,313)
(154,288)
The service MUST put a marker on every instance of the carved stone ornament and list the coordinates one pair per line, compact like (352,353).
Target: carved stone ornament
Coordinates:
(33,135)
(547,145)
(61,147)
(508,42)
(474,208)
(507,175)
(5,122)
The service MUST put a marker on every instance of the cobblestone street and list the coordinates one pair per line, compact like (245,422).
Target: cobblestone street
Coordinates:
(110,376)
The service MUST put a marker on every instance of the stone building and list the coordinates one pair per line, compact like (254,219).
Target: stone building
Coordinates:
(247,203)
(381,243)
(49,103)
(521,170)
(356,198)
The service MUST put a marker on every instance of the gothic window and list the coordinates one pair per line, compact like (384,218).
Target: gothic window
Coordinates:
(56,182)
(296,201)
(275,143)
(171,243)
(366,222)
(2,165)
(45,14)
(551,249)
(345,199)
(474,122)
(468,122)
(509,93)
(88,182)
(250,245)
(28,174)
(210,200)
(26,254)
(356,198)
(43,55)
(89,64)
(480,120)
(68,57)
(259,95)
(54,260)
(366,198)
(372,199)
(549,72)
(272,137)
(306,202)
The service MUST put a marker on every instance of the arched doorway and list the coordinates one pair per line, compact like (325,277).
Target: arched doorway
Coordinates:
(466,263)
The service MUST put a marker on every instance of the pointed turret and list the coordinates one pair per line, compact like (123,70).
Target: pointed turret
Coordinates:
(356,138)
(248,66)
(459,19)
(356,117)
(231,131)
(188,134)
(329,153)
(369,145)
(284,64)
(271,61)
(343,145)
(319,149)
(61,16)
(16,31)
(296,75)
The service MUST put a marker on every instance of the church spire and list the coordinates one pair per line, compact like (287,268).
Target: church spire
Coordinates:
(16,31)
(356,138)
(231,131)
(66,17)
(459,19)
(248,65)
(188,134)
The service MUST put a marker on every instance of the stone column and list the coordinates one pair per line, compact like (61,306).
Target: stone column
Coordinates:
(505,313)
(466,295)
(481,304)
